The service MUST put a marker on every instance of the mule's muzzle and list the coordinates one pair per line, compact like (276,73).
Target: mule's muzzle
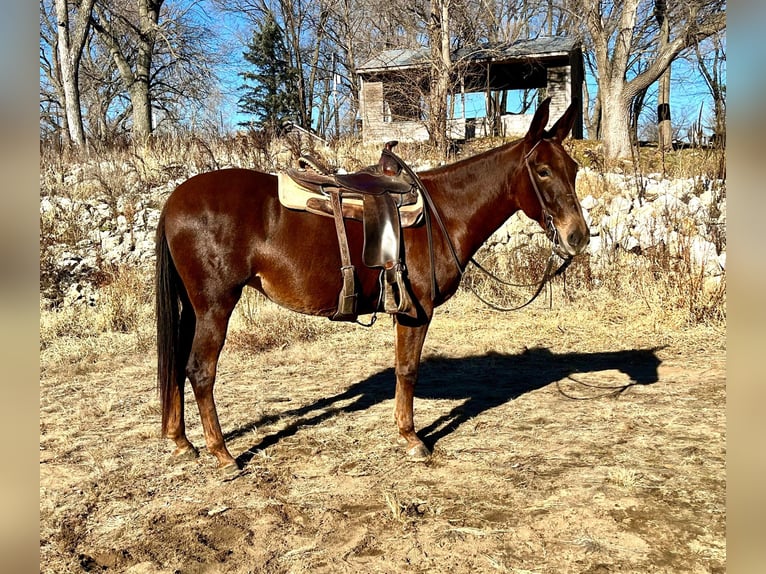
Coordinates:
(577,241)
(569,243)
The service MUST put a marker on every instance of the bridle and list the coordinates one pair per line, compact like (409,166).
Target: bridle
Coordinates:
(551,233)
(550,229)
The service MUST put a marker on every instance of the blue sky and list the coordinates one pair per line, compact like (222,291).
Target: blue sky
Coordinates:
(689,92)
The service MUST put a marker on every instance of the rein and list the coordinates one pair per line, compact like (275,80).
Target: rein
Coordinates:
(430,208)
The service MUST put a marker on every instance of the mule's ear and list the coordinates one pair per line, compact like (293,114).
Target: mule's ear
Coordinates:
(563,126)
(537,127)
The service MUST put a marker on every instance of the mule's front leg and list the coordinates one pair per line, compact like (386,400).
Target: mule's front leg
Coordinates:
(409,344)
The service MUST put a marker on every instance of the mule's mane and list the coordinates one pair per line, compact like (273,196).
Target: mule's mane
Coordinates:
(472,159)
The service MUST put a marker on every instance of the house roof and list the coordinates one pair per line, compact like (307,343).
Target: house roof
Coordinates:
(544,46)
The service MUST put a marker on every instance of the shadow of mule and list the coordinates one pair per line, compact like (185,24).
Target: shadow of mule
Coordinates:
(483,383)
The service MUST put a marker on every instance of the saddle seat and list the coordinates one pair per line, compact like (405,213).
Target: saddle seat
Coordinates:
(383,198)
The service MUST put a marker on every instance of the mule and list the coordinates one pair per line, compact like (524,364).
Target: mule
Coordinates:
(222,231)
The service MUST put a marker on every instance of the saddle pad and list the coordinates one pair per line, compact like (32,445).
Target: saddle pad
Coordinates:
(294,196)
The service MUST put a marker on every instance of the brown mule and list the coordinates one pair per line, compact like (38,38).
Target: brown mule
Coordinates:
(224,230)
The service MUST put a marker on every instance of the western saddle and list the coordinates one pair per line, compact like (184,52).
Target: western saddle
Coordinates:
(384,198)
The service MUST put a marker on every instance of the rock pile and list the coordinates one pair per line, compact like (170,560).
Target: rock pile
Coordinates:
(686,217)
(82,240)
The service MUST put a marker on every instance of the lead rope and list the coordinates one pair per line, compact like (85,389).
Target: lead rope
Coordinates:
(430,207)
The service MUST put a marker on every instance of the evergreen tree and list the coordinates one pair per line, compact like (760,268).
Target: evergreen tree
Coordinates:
(270,90)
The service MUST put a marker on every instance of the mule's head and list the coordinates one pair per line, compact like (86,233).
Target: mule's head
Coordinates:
(549,173)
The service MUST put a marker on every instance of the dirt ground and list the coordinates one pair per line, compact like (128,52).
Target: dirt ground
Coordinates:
(565,440)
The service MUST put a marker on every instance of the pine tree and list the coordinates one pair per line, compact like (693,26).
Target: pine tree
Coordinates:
(270,90)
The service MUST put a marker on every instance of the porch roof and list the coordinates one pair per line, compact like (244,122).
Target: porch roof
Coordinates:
(541,47)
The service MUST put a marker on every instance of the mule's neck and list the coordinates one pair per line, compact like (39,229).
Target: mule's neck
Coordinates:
(477,195)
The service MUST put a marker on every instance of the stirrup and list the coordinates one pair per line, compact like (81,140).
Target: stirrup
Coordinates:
(397,299)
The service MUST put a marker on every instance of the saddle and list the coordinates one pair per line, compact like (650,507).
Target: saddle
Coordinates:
(384,198)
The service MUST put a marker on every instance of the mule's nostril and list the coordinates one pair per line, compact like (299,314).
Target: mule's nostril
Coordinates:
(577,240)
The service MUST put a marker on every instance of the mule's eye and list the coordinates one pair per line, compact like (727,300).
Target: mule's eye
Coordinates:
(544,172)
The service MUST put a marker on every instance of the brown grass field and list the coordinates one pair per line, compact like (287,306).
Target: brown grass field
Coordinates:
(586,437)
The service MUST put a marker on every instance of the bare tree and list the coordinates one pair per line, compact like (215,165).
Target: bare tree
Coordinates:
(163,59)
(105,102)
(343,30)
(711,60)
(304,27)
(52,116)
(130,30)
(303,42)
(348,35)
(73,27)
(441,66)
(612,28)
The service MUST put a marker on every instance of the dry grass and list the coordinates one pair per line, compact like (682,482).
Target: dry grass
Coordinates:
(124,305)
(668,290)
(583,435)
(258,325)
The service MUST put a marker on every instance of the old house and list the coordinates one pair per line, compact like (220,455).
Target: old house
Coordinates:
(394,88)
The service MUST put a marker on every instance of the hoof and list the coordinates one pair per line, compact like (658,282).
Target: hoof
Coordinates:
(183,455)
(416,450)
(418,453)
(229,472)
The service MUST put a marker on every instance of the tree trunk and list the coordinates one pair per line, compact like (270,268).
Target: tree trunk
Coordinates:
(440,71)
(344,31)
(664,126)
(612,37)
(149,15)
(615,122)
(444,73)
(292,31)
(142,111)
(71,41)
(712,75)
(314,65)
(636,107)
(593,117)
(138,80)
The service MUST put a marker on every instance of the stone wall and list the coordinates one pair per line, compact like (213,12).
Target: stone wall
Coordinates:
(684,217)
(84,239)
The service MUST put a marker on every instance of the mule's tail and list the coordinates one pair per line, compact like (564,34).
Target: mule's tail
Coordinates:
(167,309)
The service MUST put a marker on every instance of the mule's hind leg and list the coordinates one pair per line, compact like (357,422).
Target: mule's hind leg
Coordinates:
(409,344)
(176,427)
(209,337)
